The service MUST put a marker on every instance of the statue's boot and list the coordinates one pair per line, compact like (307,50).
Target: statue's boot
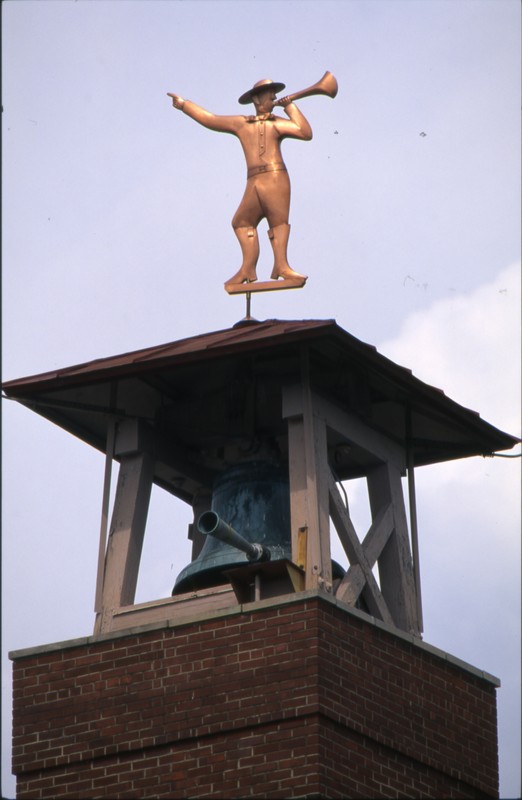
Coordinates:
(279,239)
(250,249)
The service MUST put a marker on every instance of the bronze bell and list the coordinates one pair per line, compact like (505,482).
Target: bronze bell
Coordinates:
(253,498)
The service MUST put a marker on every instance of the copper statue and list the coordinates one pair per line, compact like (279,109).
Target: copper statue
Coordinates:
(267,193)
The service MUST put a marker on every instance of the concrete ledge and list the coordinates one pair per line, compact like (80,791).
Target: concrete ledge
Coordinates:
(252,608)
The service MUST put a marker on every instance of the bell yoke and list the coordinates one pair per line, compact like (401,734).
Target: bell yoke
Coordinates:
(267,193)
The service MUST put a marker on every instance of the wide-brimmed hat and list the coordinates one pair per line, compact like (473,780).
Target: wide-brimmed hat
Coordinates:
(266,83)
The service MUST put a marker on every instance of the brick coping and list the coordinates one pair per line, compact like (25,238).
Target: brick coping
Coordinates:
(251,608)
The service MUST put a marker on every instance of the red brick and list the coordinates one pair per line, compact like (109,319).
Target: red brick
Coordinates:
(292,701)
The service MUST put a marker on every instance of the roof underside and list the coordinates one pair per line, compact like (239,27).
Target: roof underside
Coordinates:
(206,391)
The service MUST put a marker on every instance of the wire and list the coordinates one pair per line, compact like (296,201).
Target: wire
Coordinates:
(340,484)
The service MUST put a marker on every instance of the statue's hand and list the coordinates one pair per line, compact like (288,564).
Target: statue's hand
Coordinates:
(177,101)
(285,101)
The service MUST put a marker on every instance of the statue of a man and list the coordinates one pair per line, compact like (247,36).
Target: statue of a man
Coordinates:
(267,193)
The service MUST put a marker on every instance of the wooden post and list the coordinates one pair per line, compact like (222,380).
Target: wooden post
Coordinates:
(319,562)
(395,563)
(104,522)
(415,540)
(126,535)
(308,474)
(298,489)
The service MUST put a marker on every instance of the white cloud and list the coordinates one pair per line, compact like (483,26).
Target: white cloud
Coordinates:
(468,345)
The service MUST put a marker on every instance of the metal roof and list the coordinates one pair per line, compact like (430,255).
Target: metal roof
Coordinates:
(185,389)
(194,348)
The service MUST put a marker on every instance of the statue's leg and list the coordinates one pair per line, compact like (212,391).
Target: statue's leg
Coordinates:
(274,196)
(245,222)
(249,243)
(278,236)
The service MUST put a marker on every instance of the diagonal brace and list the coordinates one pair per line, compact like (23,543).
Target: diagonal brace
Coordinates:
(360,571)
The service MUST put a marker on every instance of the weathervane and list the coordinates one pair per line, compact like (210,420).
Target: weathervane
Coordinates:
(267,193)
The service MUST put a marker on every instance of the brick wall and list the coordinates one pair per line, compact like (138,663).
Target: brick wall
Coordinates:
(290,699)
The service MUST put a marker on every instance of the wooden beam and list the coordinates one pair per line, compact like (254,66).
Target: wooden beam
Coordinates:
(414,537)
(179,608)
(378,532)
(136,436)
(308,470)
(357,557)
(348,425)
(377,536)
(298,487)
(351,585)
(343,524)
(319,560)
(129,517)
(104,522)
(395,563)
(309,519)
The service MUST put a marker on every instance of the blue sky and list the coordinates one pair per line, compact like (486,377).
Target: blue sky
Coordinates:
(405,215)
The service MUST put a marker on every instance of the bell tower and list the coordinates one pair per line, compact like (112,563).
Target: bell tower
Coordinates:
(271,670)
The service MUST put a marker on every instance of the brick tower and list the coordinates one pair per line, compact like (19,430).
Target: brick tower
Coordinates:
(269,672)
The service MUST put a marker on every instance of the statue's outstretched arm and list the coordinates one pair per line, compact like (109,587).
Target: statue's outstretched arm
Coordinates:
(224,124)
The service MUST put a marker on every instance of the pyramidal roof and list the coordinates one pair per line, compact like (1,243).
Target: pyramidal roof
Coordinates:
(174,385)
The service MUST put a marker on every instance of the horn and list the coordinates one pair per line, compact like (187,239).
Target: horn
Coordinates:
(327,85)
(209,523)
